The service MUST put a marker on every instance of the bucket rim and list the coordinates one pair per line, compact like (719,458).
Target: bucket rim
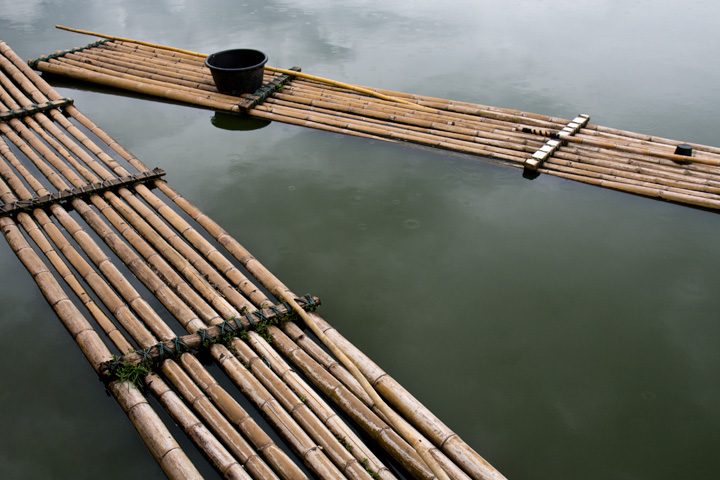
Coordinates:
(234,50)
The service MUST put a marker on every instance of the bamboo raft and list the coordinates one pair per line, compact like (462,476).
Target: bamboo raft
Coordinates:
(572,149)
(129,265)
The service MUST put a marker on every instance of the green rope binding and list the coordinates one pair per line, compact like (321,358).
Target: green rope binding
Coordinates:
(136,364)
(262,93)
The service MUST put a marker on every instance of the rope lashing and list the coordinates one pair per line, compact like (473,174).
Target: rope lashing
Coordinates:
(35,108)
(146,360)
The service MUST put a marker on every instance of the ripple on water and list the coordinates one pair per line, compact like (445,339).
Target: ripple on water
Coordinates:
(411,224)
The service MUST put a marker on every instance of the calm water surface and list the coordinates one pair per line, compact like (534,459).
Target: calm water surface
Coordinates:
(564,331)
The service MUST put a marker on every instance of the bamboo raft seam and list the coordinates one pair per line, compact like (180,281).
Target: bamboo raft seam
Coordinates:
(593,154)
(128,222)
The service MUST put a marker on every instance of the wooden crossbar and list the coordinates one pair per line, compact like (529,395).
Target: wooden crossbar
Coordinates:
(556,140)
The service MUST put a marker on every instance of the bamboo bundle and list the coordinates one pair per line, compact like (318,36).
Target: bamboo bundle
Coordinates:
(339,107)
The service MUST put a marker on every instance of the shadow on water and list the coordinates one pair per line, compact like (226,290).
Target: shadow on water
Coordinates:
(231,121)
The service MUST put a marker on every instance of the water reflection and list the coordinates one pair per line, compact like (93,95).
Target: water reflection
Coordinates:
(229,121)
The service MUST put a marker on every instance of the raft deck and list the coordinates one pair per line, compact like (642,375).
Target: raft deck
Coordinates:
(146,284)
(569,148)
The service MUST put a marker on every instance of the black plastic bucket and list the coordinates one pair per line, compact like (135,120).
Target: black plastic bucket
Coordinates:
(237,71)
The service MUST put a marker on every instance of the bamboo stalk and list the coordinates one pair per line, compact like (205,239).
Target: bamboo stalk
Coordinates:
(318,405)
(162,445)
(637,150)
(454,136)
(276,70)
(592,163)
(361,414)
(305,417)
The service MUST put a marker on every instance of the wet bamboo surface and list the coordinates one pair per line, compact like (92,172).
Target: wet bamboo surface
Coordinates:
(130,267)
(631,162)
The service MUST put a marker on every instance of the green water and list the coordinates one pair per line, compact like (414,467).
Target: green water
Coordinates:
(562,330)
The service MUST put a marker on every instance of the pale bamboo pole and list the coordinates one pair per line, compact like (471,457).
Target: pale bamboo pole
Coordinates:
(321,357)
(305,417)
(311,398)
(160,442)
(413,410)
(372,422)
(310,91)
(95,61)
(391,123)
(677,178)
